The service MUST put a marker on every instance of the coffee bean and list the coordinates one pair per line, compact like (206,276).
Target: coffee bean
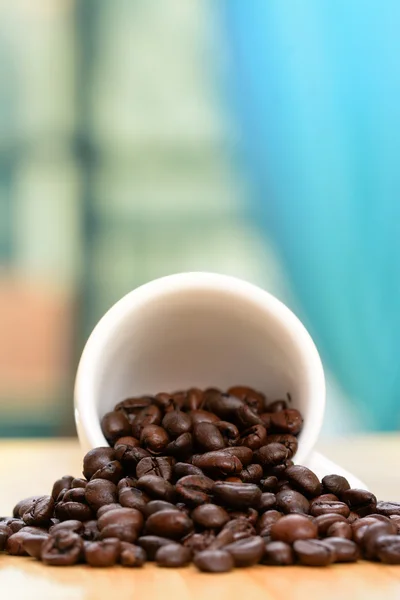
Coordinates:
(293,527)
(126,482)
(112,472)
(127,440)
(372,535)
(286,439)
(237,495)
(278,554)
(115,425)
(157,487)
(132,406)
(244,454)
(304,480)
(246,552)
(251,474)
(194,489)
(182,469)
(172,524)
(269,484)
(65,511)
(214,561)
(173,555)
(165,402)
(286,421)
(71,525)
(131,555)
(99,492)
(396,521)
(250,515)
(223,405)
(151,544)
(154,438)
(217,463)
(33,543)
(255,399)
(322,507)
(182,447)
(342,530)
(343,550)
(203,416)
(233,531)
(388,549)
(24,505)
(255,437)
(94,460)
(276,406)
(313,553)
(388,508)
(133,498)
(210,516)
(290,501)
(197,542)
(150,415)
(74,495)
(177,422)
(61,549)
(271,455)
(156,505)
(324,522)
(266,521)
(64,483)
(335,484)
(267,502)
(194,399)
(229,432)
(5,533)
(123,523)
(102,554)
(207,437)
(40,511)
(361,501)
(160,466)
(130,457)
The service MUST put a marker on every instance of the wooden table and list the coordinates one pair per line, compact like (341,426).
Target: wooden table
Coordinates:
(29,467)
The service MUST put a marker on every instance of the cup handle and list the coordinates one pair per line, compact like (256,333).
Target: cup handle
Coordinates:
(321,466)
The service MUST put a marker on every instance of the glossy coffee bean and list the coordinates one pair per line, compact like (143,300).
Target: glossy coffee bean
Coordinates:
(324,521)
(214,561)
(123,523)
(244,454)
(115,425)
(250,514)
(388,549)
(39,512)
(237,495)
(344,550)
(255,437)
(131,555)
(132,406)
(286,439)
(217,463)
(24,505)
(271,455)
(253,398)
(266,521)
(269,484)
(210,516)
(388,508)
(207,437)
(127,440)
(372,535)
(5,533)
(182,447)
(156,505)
(361,501)
(107,507)
(151,544)
(223,405)
(290,501)
(181,469)
(267,502)
(246,417)
(133,498)
(335,484)
(286,421)
(173,555)
(176,422)
(71,525)
(112,472)
(103,554)
(304,480)
(172,524)
(197,542)
(342,530)
(74,495)
(276,406)
(247,551)
(154,438)
(194,489)
(194,399)
(251,474)
(96,459)
(278,554)
(130,457)
(152,465)
(313,553)
(99,492)
(64,483)
(32,544)
(66,511)
(203,416)
(62,549)
(293,527)
(150,415)
(157,487)
(322,507)
(229,432)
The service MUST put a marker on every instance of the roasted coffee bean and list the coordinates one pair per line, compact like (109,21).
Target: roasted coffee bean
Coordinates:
(217,463)
(182,469)
(66,511)
(361,501)
(322,507)
(293,527)
(194,489)
(250,515)
(344,550)
(172,524)
(90,530)
(24,506)
(197,542)
(72,525)
(266,420)
(133,498)
(150,415)
(95,459)
(177,422)
(32,544)
(99,492)
(203,416)
(127,440)
(165,402)
(237,495)
(78,482)
(207,437)
(266,521)
(278,554)
(396,520)
(279,470)
(15,543)
(229,432)
(244,454)
(61,549)
(126,482)
(255,437)
(371,537)
(160,466)
(246,552)
(388,508)
(194,399)
(122,523)
(286,421)
(214,561)
(5,533)
(130,457)
(182,447)
(64,483)
(342,530)
(361,525)
(154,438)
(157,487)
(112,472)
(102,554)
(286,439)
(387,549)
(271,455)
(74,495)
(173,555)
(255,399)
(14,524)
(304,480)
(115,425)
(132,406)
(313,553)
(290,501)
(156,505)
(251,474)
(40,511)
(131,555)
(210,516)
(269,484)
(151,544)
(223,405)
(267,502)
(335,484)
(276,406)
(180,398)
(234,530)
(352,517)
(246,417)
(323,522)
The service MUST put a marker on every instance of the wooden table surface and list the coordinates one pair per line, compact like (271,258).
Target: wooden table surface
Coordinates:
(29,467)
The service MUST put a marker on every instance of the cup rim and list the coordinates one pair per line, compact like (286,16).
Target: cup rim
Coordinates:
(86,418)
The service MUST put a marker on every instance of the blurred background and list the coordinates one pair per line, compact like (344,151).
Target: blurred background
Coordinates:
(140,138)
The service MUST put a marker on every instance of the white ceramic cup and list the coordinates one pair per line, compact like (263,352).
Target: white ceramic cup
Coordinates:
(201,330)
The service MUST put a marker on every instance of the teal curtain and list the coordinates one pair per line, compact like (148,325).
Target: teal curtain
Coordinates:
(316,88)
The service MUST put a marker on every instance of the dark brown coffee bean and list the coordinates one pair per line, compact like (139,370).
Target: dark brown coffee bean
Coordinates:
(122,523)
(293,527)
(177,422)
(246,552)
(321,507)
(197,542)
(313,553)
(342,530)
(66,511)
(217,463)
(271,455)
(324,521)
(269,484)
(286,421)
(71,525)
(223,405)
(344,550)
(233,531)
(40,511)
(64,483)
(303,480)
(352,517)
(96,459)
(182,469)
(156,505)
(210,516)
(127,440)
(396,520)
(194,489)
(112,472)
(254,399)
(276,406)
(371,537)
(244,454)
(78,482)
(102,554)
(157,487)
(361,501)
(251,474)
(172,524)
(335,484)
(290,501)
(154,438)
(25,505)
(203,416)
(151,544)
(207,437)
(214,561)
(194,399)
(388,549)
(152,465)
(360,527)
(229,432)
(74,495)
(173,555)
(388,508)
(237,495)
(246,417)
(165,402)
(255,437)
(182,447)
(267,502)
(266,521)
(131,555)
(286,439)
(132,406)
(126,482)
(150,415)
(278,554)
(180,399)
(250,515)
(99,492)
(5,533)
(130,457)
(15,543)
(133,498)
(64,548)
(32,544)
(115,425)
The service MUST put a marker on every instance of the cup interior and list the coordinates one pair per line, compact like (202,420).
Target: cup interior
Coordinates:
(204,331)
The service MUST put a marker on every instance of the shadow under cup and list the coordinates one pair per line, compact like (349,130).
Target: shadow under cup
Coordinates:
(198,330)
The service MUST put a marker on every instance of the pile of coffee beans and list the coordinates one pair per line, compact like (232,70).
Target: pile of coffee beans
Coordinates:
(204,477)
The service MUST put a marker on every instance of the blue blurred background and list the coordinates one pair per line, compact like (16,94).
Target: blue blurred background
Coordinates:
(140,138)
